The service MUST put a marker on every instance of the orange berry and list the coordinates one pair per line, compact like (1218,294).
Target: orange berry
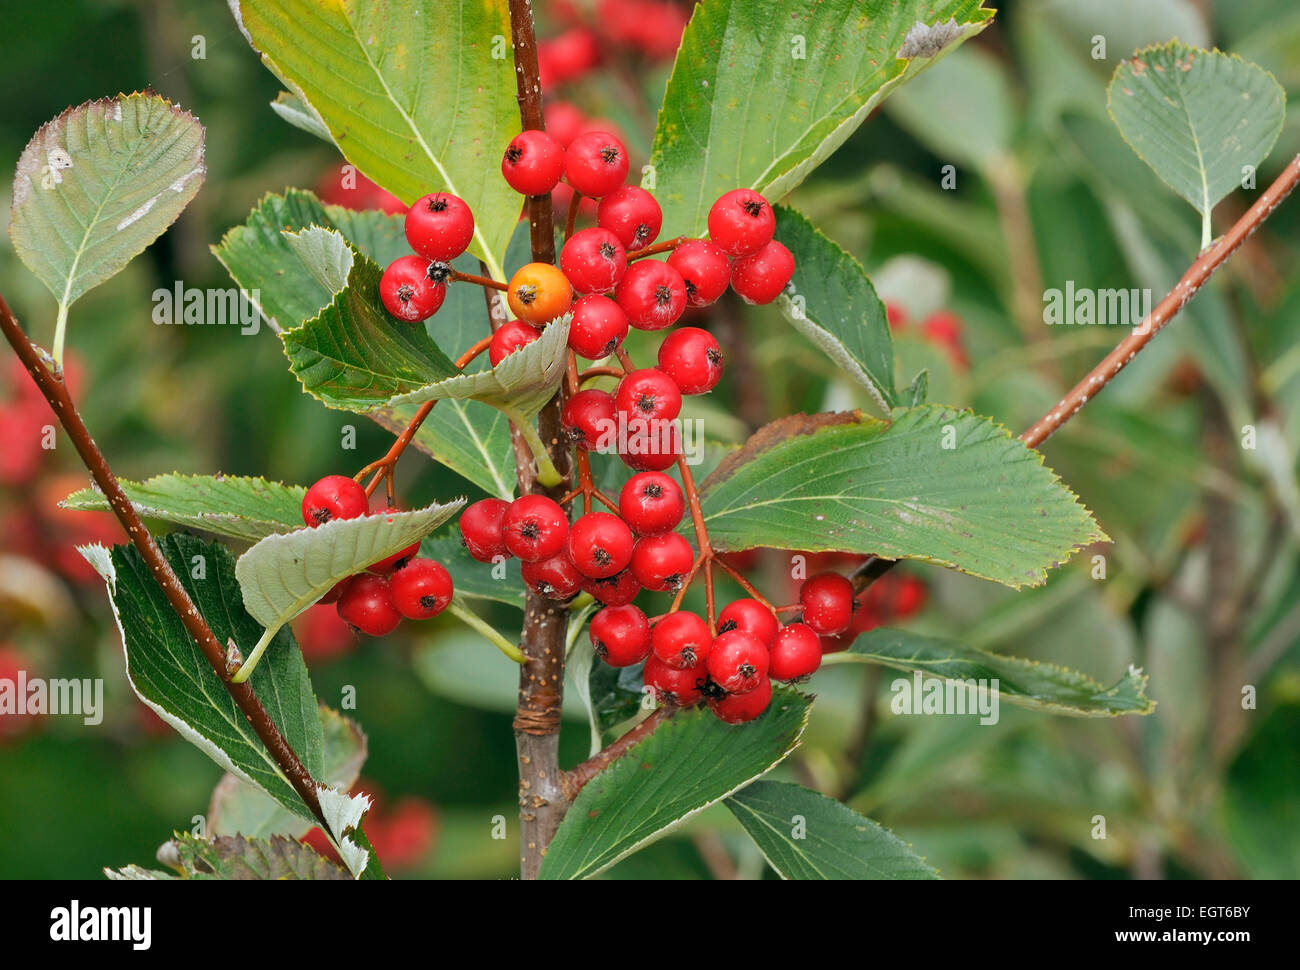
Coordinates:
(539,293)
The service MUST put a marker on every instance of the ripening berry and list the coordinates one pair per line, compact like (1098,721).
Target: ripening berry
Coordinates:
(741,222)
(593,260)
(760,277)
(620,635)
(533,163)
(556,578)
(632,214)
(539,293)
(682,640)
(671,685)
(705,269)
(651,503)
(600,544)
(535,527)
(649,394)
(652,294)
(407,291)
(828,603)
(367,606)
(334,497)
(749,616)
(589,419)
(597,328)
(439,226)
(739,708)
(796,652)
(737,662)
(482,529)
(662,563)
(617,590)
(692,358)
(595,163)
(420,589)
(651,445)
(509,338)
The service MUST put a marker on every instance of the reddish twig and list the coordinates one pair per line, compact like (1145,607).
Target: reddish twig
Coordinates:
(591,372)
(571,217)
(577,777)
(660,247)
(485,281)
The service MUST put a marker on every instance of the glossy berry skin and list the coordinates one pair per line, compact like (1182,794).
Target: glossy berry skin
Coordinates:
(421,589)
(662,563)
(741,222)
(752,617)
(335,591)
(482,529)
(632,214)
(739,708)
(396,559)
(652,294)
(538,293)
(439,226)
(827,601)
(651,446)
(672,685)
(509,338)
(692,358)
(760,278)
(367,606)
(649,394)
(651,503)
(556,578)
(738,662)
(334,497)
(595,163)
(682,640)
(616,590)
(597,328)
(796,652)
(407,292)
(620,635)
(593,260)
(533,163)
(588,417)
(704,267)
(535,527)
(600,544)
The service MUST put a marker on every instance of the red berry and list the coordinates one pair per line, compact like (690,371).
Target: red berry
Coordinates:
(617,590)
(662,563)
(796,652)
(600,544)
(533,163)
(556,578)
(588,417)
(392,562)
(651,503)
(421,589)
(827,601)
(439,226)
(671,685)
(595,163)
(567,56)
(334,497)
(909,597)
(652,294)
(741,222)
(749,616)
(692,358)
(482,529)
(335,591)
(564,122)
(407,292)
(509,338)
(896,316)
(536,528)
(739,708)
(593,260)
(649,394)
(761,277)
(367,605)
(632,214)
(620,635)
(738,662)
(682,640)
(597,328)
(704,268)
(651,446)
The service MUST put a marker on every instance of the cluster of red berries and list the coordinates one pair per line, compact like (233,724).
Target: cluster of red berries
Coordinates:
(402,585)
(615,28)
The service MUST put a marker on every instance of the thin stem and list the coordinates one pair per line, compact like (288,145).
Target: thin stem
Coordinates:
(591,372)
(660,247)
(575,779)
(745,584)
(571,217)
(60,334)
(250,663)
(484,281)
(485,629)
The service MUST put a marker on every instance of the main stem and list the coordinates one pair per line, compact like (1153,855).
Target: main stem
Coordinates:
(542,800)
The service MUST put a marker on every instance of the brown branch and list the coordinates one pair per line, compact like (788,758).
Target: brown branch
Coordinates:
(660,247)
(484,281)
(575,779)
(529,96)
(56,393)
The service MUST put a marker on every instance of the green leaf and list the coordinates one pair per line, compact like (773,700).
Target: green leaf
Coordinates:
(227,505)
(169,673)
(411,92)
(820,66)
(301,115)
(474,579)
(1197,117)
(805,835)
(238,808)
(98,184)
(609,695)
(353,355)
(284,574)
(1026,683)
(237,857)
(836,307)
(935,484)
(690,762)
